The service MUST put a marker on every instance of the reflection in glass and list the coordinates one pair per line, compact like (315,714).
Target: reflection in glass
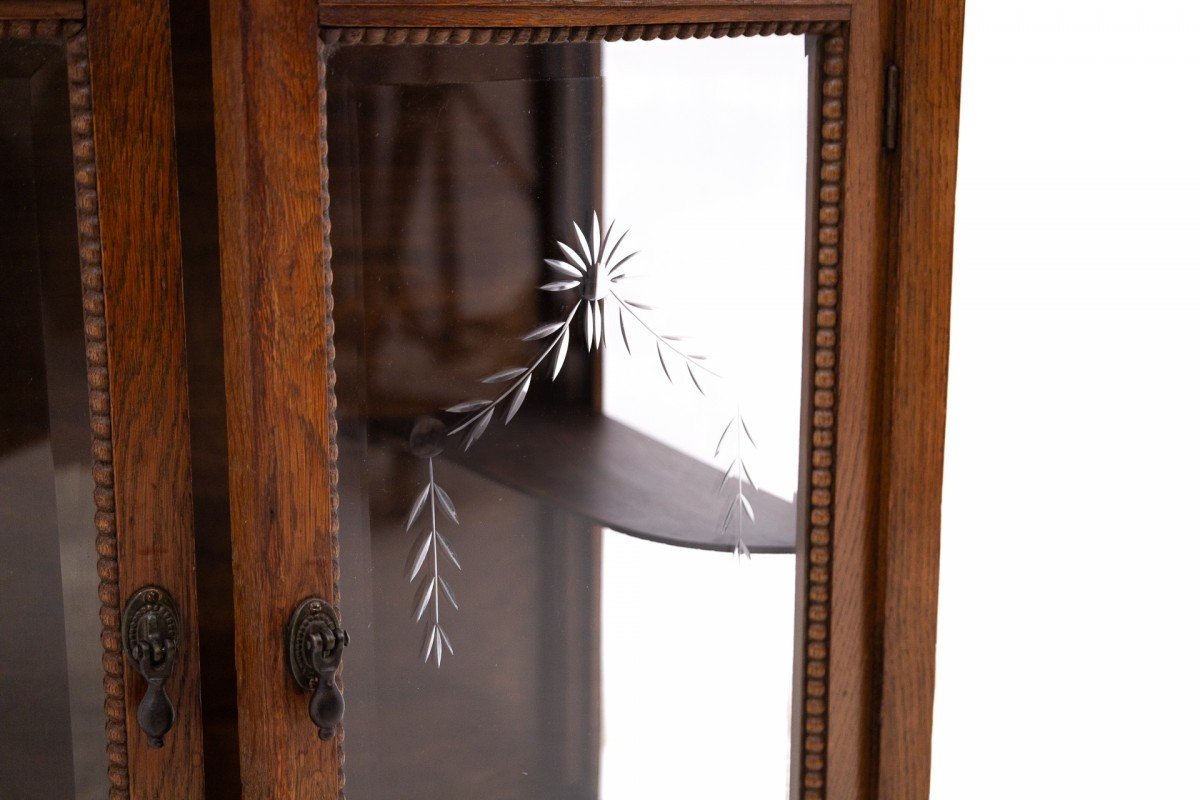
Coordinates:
(587,515)
(52,738)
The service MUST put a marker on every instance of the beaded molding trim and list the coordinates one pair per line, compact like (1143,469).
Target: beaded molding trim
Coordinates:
(72,34)
(327,264)
(96,337)
(818,551)
(594,33)
(822,452)
(39,28)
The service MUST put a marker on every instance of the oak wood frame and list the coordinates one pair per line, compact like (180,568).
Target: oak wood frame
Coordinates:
(122,119)
(138,201)
(879,305)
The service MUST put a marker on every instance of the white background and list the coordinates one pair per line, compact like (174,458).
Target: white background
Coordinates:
(1069,624)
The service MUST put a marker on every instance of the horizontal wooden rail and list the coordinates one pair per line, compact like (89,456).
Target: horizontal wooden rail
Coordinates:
(36,9)
(504,15)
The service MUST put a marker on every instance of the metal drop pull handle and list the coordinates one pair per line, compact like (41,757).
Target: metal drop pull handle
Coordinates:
(315,641)
(150,634)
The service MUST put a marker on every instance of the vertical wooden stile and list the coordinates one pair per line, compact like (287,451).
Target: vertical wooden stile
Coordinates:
(132,104)
(265,92)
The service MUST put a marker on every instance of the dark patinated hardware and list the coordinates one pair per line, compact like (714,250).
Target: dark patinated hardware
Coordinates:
(314,642)
(150,634)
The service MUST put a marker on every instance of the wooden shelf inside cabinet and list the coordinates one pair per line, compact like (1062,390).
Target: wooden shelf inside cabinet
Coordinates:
(617,477)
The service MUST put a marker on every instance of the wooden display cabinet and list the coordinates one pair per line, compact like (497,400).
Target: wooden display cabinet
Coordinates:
(256,259)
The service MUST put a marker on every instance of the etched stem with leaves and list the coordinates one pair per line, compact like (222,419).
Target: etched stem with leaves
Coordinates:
(692,361)
(482,411)
(594,271)
(736,476)
(424,558)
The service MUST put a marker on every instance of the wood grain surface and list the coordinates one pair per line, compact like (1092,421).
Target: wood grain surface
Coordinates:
(265,95)
(133,119)
(929,51)
(41,9)
(853,656)
(589,15)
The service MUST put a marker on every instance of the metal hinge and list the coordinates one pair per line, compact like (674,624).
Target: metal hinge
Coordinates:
(891,107)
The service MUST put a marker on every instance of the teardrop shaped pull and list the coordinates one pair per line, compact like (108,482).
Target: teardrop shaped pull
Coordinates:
(315,641)
(150,633)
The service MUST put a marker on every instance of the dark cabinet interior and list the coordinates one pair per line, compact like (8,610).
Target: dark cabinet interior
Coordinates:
(50,672)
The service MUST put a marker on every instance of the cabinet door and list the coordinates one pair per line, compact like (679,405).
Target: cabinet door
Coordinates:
(94,440)
(602,480)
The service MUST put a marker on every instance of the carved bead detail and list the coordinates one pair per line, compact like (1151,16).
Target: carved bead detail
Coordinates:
(96,352)
(323,53)
(50,29)
(593,33)
(822,454)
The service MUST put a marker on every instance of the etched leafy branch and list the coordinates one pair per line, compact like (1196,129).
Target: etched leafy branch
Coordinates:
(520,378)
(593,269)
(691,360)
(590,270)
(425,551)
(736,476)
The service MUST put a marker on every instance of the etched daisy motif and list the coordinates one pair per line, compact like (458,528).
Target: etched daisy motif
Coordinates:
(591,270)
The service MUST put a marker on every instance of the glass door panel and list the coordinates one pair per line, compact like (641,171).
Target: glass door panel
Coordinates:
(569,300)
(52,743)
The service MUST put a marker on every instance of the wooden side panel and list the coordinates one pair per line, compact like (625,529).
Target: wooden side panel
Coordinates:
(265,92)
(130,59)
(929,46)
(853,661)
